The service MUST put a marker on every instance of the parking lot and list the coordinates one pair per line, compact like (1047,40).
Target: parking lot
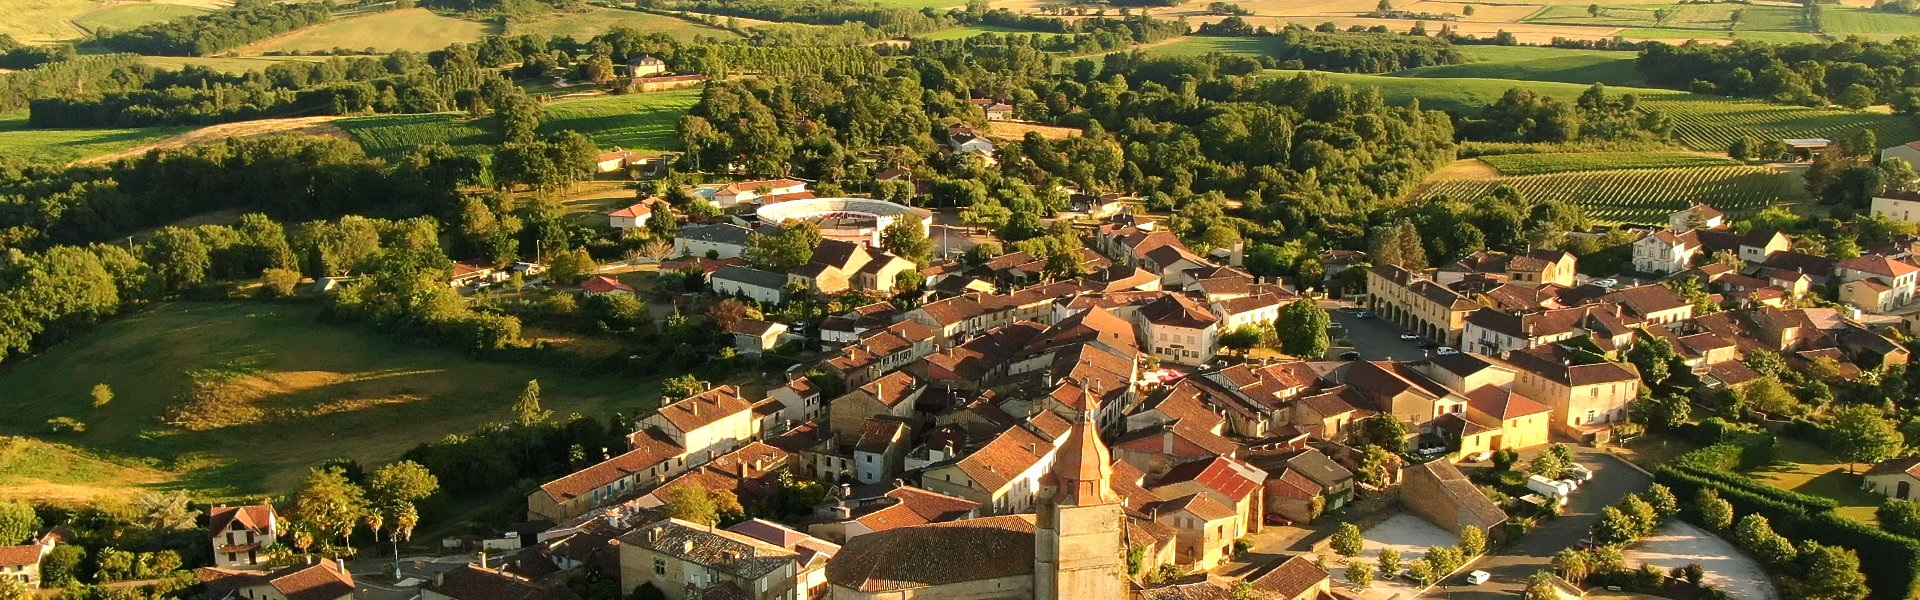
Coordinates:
(1677,544)
(1404,533)
(1374,339)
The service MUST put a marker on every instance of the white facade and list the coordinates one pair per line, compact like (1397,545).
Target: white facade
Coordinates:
(1898,209)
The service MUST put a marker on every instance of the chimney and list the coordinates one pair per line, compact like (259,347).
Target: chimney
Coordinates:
(686,547)
(653,535)
(340,566)
(841,512)
(483,559)
(897,484)
(1166,440)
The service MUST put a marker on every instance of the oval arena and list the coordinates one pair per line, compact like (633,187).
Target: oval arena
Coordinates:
(847,219)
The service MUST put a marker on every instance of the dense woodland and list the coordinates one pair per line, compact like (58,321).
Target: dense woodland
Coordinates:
(1853,73)
(245,22)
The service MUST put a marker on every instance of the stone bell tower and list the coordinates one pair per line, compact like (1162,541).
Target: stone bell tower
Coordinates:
(1079,541)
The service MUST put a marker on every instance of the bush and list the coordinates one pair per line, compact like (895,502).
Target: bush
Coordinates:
(65,425)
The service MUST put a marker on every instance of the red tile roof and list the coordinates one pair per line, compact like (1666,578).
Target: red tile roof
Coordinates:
(1218,474)
(1503,404)
(928,555)
(650,447)
(603,284)
(1289,578)
(705,408)
(258,518)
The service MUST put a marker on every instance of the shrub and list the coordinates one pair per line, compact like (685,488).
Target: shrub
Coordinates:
(65,425)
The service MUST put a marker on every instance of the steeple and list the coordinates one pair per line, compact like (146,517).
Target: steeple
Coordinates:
(1083,468)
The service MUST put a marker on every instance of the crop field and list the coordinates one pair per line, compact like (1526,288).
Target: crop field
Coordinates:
(226,64)
(581,25)
(957,33)
(633,121)
(939,5)
(61,146)
(390,136)
(1536,64)
(1194,45)
(1642,196)
(316,392)
(416,29)
(1700,122)
(122,17)
(40,21)
(1840,22)
(1539,164)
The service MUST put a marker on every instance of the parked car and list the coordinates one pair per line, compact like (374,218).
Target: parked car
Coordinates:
(1577,473)
(1478,456)
(1408,337)
(1349,356)
(1431,451)
(1363,315)
(1273,519)
(1478,577)
(1606,283)
(1445,350)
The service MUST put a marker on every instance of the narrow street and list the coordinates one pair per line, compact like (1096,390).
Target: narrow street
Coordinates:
(1612,480)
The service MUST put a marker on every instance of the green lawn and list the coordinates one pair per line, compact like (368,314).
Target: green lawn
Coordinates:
(61,146)
(1696,20)
(226,64)
(414,29)
(1537,64)
(585,24)
(322,392)
(122,17)
(1802,467)
(40,470)
(633,121)
(938,5)
(1841,21)
(1197,45)
(957,33)
(1700,121)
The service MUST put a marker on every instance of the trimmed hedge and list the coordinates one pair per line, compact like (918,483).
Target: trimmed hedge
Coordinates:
(1891,563)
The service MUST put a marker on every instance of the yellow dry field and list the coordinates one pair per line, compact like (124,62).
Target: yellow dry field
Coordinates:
(320,126)
(1482,13)
(1466,168)
(1013,131)
(43,21)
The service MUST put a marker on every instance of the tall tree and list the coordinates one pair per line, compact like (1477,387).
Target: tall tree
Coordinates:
(179,257)
(527,409)
(1833,573)
(1302,329)
(330,503)
(1864,436)
(17,522)
(904,239)
(401,482)
(1348,541)
(785,250)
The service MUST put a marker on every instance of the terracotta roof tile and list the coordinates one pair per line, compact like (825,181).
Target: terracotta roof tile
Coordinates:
(928,555)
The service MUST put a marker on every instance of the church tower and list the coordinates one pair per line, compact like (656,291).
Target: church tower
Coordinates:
(1079,535)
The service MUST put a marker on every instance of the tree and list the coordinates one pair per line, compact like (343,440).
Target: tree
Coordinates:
(1651,356)
(1664,504)
(1572,564)
(1715,512)
(600,69)
(700,505)
(1347,540)
(1422,570)
(1864,436)
(1373,466)
(904,239)
(168,511)
(1614,528)
(401,482)
(1444,559)
(1756,536)
(14,589)
(526,410)
(1359,572)
(1547,465)
(278,283)
(1504,459)
(1594,10)
(723,315)
(1901,517)
(1242,339)
(17,522)
(1302,329)
(785,250)
(1389,561)
(179,257)
(1645,518)
(1541,587)
(1473,542)
(102,394)
(1768,395)
(330,503)
(1384,430)
(517,115)
(571,266)
(682,386)
(1833,573)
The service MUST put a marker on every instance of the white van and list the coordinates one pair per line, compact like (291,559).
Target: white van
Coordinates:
(1478,577)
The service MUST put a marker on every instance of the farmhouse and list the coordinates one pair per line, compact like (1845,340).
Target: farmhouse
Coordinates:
(634,215)
(242,535)
(22,562)
(324,579)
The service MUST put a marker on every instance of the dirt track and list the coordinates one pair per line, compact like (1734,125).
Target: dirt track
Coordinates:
(320,126)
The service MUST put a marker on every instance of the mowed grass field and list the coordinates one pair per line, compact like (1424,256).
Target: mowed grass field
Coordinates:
(958,33)
(1540,164)
(1535,63)
(1811,470)
(581,25)
(1839,22)
(41,21)
(1196,45)
(121,17)
(416,29)
(61,146)
(644,122)
(1641,196)
(226,64)
(324,391)
(1701,122)
(34,469)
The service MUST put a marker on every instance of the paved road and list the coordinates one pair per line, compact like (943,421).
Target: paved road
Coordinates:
(1374,339)
(1612,480)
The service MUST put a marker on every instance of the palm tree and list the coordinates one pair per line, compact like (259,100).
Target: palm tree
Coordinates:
(1572,564)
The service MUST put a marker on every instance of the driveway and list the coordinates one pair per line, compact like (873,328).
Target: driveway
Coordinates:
(1374,339)
(1678,543)
(1512,565)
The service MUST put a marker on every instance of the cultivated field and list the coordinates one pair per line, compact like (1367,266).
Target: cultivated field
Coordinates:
(1540,164)
(1870,24)
(226,64)
(211,134)
(416,29)
(60,146)
(956,33)
(1537,64)
(1700,122)
(584,24)
(644,122)
(314,391)
(121,17)
(1641,195)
